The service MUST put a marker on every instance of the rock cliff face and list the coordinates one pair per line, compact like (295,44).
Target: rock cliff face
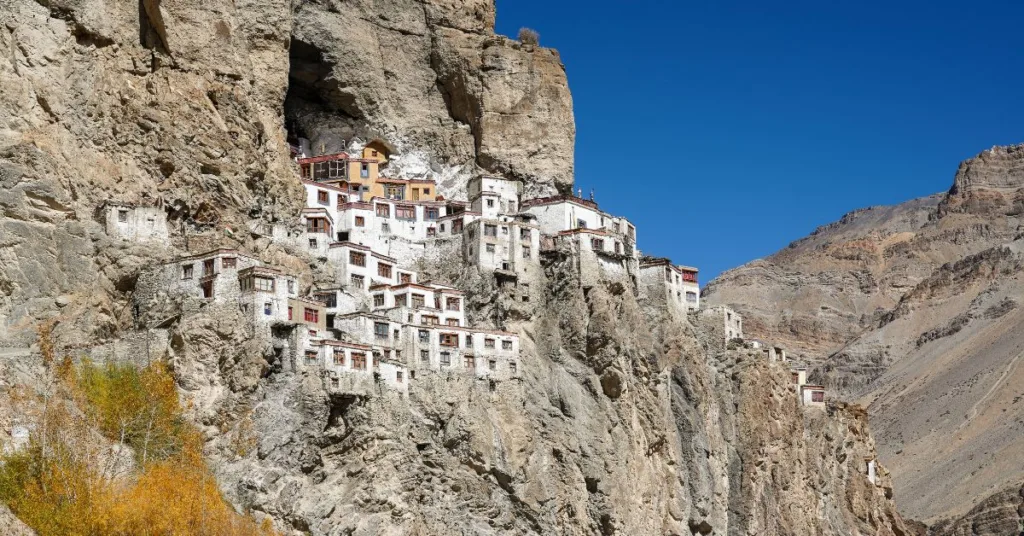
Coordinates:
(624,422)
(182,104)
(171,103)
(930,342)
(434,78)
(608,432)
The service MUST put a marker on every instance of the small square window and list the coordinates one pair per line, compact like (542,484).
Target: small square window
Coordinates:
(122,216)
(424,336)
(360,221)
(312,243)
(490,203)
(490,248)
(506,345)
(268,309)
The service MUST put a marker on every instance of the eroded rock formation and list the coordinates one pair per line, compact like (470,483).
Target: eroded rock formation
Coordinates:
(432,77)
(917,310)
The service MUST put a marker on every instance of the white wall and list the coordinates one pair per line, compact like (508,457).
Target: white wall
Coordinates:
(140,223)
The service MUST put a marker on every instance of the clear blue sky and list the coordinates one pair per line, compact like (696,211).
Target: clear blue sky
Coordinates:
(743,126)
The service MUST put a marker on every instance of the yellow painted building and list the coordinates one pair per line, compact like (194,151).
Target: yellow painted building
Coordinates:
(363,174)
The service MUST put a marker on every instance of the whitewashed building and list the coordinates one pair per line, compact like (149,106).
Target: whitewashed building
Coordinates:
(351,367)
(129,221)
(565,212)
(504,243)
(798,377)
(724,321)
(606,244)
(359,267)
(428,304)
(812,396)
(494,196)
(676,286)
(210,276)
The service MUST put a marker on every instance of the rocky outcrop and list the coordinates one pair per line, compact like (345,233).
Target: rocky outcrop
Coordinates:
(178,104)
(12,526)
(991,183)
(688,440)
(433,78)
(181,105)
(1000,513)
(936,359)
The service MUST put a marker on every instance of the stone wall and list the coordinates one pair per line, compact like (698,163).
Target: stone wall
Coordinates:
(139,348)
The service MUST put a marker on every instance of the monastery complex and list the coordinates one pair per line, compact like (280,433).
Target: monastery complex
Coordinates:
(378,324)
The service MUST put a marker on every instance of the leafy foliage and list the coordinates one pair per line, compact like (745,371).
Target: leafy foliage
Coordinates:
(142,473)
(133,407)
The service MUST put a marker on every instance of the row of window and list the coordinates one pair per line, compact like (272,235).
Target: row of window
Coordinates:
(510,206)
(358,361)
(468,361)
(691,297)
(492,230)
(380,331)
(419,300)
(332,169)
(689,277)
(491,248)
(209,267)
(358,258)
(407,212)
(317,225)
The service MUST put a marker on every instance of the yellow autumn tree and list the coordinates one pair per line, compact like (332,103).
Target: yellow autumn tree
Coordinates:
(71,480)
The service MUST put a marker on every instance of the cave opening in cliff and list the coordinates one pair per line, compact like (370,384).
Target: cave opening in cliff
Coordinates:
(318,105)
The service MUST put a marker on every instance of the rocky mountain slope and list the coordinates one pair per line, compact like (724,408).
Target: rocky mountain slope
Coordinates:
(625,422)
(930,337)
